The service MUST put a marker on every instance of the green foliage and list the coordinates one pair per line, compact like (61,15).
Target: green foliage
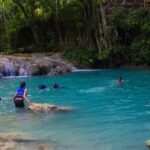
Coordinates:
(104,55)
(113,55)
(133,28)
(81,57)
(141,51)
(35,25)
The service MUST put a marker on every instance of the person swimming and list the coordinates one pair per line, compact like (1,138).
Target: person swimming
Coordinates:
(120,80)
(20,96)
(55,86)
(42,87)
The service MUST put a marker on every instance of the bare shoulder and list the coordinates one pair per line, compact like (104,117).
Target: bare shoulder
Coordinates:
(25,90)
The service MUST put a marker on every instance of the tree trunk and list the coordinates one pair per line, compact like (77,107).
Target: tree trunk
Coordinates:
(56,22)
(104,24)
(29,19)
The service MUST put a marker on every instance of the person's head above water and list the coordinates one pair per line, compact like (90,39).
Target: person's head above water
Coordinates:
(42,87)
(22,85)
(55,86)
(120,80)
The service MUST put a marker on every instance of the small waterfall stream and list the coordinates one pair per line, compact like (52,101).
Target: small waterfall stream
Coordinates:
(10,69)
(23,71)
(74,69)
(36,65)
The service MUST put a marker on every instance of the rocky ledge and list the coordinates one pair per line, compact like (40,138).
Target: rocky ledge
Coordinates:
(33,64)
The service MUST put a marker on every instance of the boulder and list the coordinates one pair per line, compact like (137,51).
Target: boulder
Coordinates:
(48,107)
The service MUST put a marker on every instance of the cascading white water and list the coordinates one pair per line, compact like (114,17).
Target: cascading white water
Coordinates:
(10,69)
(74,69)
(36,65)
(23,72)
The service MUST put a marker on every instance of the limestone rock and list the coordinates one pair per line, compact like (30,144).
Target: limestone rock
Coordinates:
(48,107)
(33,65)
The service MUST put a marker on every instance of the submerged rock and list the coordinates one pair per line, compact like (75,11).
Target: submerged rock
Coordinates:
(148,144)
(33,65)
(48,108)
(7,144)
(20,142)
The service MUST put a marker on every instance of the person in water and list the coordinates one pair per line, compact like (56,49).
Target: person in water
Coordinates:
(120,80)
(20,96)
(55,86)
(42,87)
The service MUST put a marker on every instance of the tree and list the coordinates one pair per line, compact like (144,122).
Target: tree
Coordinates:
(28,8)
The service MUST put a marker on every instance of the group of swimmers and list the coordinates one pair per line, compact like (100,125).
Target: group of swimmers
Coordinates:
(43,87)
(21,96)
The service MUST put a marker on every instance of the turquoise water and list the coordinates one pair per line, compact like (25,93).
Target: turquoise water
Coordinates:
(106,116)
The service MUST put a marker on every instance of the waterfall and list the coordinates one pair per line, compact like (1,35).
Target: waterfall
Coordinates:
(23,72)
(74,69)
(10,69)
(36,65)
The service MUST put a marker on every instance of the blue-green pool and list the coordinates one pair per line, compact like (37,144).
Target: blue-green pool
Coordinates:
(106,116)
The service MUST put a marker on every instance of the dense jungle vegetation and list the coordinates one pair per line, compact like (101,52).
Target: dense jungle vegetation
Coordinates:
(90,33)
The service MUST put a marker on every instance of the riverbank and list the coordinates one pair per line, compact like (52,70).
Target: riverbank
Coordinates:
(46,64)
(33,64)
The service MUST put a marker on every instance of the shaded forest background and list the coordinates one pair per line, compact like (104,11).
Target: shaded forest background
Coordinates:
(90,33)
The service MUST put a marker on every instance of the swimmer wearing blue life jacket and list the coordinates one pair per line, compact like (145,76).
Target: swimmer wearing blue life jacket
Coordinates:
(20,96)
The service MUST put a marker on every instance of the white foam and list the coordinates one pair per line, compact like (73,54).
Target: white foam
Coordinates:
(9,77)
(93,90)
(74,69)
(148,105)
